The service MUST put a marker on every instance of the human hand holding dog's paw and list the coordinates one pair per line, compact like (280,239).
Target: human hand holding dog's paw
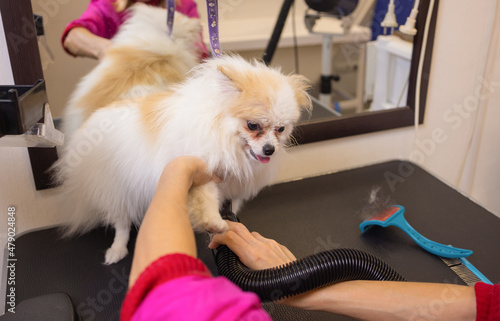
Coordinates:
(188,170)
(203,202)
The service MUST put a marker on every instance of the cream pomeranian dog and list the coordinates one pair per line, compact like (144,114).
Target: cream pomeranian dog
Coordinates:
(235,115)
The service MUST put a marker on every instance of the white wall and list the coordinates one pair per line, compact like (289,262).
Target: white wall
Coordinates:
(6,77)
(464,97)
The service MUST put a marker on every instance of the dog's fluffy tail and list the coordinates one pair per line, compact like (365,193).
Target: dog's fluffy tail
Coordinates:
(78,216)
(79,220)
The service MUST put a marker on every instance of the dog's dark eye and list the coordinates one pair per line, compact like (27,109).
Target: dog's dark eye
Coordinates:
(281,129)
(253,126)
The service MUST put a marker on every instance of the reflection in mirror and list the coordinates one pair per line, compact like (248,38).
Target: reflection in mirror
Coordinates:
(386,62)
(367,60)
(361,101)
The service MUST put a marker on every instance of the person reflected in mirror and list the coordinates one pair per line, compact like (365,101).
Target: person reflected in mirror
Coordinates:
(89,35)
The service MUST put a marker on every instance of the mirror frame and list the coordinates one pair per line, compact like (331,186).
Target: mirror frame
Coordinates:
(373,121)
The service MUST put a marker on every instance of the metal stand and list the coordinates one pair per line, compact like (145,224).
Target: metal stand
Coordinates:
(345,31)
(278,29)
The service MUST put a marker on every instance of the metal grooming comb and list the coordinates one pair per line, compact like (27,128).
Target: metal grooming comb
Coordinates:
(465,271)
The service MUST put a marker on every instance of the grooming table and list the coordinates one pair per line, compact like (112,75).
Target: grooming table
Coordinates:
(308,216)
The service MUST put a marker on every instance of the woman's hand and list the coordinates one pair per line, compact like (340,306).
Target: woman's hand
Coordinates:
(258,253)
(254,250)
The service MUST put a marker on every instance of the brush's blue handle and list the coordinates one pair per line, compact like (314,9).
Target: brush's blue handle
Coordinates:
(428,245)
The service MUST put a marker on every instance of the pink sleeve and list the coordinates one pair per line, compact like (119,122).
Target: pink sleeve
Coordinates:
(100,18)
(202,299)
(188,8)
(180,287)
(487,302)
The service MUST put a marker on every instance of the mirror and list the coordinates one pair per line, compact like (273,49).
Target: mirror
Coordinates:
(377,119)
(61,83)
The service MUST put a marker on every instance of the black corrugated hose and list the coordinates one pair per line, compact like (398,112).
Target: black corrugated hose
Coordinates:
(303,275)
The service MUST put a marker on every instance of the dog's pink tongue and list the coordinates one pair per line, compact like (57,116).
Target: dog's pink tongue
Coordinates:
(263,159)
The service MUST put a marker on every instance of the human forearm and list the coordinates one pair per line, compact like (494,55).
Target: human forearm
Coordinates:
(166,227)
(387,301)
(81,42)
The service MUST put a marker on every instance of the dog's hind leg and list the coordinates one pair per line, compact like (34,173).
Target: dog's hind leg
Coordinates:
(118,249)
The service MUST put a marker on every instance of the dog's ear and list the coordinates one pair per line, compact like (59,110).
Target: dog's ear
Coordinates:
(233,76)
(300,86)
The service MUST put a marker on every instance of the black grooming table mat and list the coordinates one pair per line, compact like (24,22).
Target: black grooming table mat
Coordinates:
(308,216)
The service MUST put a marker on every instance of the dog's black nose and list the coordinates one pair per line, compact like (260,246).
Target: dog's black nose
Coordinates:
(268,149)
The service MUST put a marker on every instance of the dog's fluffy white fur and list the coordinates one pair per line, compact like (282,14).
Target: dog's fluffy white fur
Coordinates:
(235,115)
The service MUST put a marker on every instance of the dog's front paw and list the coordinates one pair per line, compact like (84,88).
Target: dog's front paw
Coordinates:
(215,225)
(115,254)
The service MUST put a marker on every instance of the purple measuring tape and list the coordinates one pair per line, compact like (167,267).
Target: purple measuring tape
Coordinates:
(213,24)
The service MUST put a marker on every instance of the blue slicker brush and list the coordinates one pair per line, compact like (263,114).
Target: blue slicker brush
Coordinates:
(394,216)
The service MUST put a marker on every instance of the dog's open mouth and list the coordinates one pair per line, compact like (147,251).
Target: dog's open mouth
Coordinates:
(262,159)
